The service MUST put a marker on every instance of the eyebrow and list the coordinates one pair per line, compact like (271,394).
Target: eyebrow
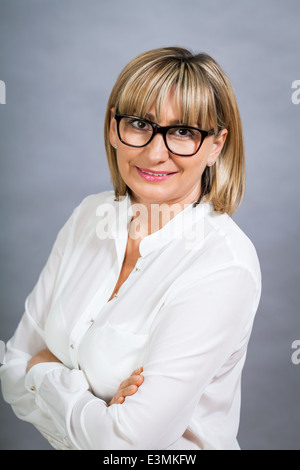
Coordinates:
(152,118)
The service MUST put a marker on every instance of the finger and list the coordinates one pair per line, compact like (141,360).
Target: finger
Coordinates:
(120,396)
(137,371)
(132,380)
(128,387)
(127,391)
(116,401)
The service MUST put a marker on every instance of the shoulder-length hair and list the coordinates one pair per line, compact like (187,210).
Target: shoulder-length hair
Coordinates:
(205,96)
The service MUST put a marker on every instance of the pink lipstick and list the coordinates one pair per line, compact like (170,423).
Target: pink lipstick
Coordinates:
(154,176)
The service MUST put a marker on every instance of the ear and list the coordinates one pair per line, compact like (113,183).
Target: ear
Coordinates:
(217,146)
(112,128)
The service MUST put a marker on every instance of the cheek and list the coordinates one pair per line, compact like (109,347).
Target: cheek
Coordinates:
(197,164)
(127,157)
(194,169)
(122,159)
(124,164)
(122,170)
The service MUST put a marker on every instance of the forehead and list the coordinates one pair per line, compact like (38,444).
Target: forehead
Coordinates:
(183,102)
(170,111)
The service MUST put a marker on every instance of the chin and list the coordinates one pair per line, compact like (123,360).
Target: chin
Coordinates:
(152,194)
(155,198)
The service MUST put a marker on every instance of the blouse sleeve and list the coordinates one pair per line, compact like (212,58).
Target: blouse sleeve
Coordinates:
(207,322)
(28,340)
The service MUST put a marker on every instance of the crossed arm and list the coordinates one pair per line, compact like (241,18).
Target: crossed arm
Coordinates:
(180,363)
(196,330)
(127,388)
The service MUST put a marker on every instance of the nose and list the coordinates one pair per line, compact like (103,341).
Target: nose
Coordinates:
(156,150)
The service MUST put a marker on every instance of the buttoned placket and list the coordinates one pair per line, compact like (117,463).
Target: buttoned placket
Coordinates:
(90,314)
(87,320)
(100,300)
(136,269)
(149,244)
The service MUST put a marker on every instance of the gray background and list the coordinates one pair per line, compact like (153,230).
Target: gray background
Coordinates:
(59,60)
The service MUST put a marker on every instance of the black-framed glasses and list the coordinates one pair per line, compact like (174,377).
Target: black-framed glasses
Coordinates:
(184,141)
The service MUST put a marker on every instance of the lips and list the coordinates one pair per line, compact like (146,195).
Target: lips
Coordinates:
(156,173)
(154,176)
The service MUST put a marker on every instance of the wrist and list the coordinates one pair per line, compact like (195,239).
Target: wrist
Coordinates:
(37,372)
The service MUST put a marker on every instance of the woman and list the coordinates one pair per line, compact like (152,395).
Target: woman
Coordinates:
(153,277)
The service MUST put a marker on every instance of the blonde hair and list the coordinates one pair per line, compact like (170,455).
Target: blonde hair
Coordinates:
(206,97)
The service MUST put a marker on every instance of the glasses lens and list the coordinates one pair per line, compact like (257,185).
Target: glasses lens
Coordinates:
(183,140)
(134,131)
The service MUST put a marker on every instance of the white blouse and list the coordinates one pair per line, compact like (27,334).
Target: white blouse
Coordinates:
(185,314)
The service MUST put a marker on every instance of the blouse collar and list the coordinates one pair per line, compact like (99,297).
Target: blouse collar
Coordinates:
(120,213)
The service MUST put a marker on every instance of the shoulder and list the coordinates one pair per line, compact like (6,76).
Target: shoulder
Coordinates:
(221,277)
(88,207)
(91,202)
(230,245)
(83,219)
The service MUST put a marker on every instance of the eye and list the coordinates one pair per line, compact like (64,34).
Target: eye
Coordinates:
(139,124)
(182,132)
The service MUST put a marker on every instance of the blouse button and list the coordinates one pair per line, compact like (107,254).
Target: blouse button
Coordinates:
(33,388)
(72,346)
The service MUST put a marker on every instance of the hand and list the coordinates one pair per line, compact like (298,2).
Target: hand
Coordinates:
(128,387)
(42,356)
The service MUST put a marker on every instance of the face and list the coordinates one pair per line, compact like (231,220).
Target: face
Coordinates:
(182,184)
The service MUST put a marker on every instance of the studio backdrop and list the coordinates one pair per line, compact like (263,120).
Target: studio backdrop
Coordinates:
(58,62)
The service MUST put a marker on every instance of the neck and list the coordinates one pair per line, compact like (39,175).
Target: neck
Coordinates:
(149,217)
